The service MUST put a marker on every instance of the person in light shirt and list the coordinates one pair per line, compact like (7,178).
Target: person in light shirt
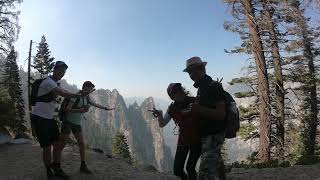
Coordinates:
(46,105)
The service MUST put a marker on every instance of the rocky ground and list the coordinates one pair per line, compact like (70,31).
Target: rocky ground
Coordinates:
(23,162)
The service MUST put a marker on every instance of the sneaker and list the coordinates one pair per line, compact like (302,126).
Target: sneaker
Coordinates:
(84,169)
(59,172)
(50,173)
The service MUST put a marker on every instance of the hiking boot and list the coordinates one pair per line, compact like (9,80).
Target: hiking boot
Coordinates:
(58,172)
(50,173)
(84,169)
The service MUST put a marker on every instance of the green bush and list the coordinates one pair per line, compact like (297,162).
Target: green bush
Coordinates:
(244,94)
(245,130)
(240,80)
(7,109)
(308,160)
(248,113)
(253,162)
(120,147)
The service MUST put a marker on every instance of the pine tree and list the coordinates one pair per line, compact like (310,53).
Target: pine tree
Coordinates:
(7,109)
(9,25)
(304,71)
(42,62)
(12,83)
(246,25)
(120,147)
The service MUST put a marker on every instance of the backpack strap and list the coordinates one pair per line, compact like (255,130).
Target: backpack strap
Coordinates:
(88,100)
(50,96)
(62,111)
(75,105)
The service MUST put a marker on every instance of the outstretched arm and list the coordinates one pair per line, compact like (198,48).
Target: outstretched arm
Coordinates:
(162,120)
(61,92)
(64,93)
(99,106)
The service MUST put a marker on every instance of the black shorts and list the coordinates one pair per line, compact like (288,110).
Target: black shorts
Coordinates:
(47,130)
(67,127)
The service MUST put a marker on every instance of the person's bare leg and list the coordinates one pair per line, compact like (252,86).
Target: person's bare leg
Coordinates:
(46,156)
(58,147)
(57,152)
(81,144)
(82,148)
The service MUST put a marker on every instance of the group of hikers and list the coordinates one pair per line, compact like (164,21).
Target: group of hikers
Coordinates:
(46,103)
(202,121)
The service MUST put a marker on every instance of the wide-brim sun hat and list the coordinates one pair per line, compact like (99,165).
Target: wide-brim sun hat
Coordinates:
(194,62)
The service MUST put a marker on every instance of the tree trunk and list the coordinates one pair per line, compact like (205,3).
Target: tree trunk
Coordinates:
(263,84)
(280,93)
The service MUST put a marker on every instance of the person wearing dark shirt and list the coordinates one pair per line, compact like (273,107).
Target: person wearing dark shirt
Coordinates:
(211,109)
(189,137)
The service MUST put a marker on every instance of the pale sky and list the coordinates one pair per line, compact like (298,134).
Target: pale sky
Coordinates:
(135,46)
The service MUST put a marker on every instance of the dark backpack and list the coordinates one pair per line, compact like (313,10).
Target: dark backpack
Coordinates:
(232,117)
(34,93)
(232,114)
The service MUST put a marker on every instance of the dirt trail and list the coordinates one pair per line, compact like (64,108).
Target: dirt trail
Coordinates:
(23,162)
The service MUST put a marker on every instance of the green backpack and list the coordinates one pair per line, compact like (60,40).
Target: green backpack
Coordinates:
(62,113)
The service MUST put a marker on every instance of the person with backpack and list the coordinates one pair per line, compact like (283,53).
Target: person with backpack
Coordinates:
(217,111)
(71,113)
(46,101)
(189,138)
